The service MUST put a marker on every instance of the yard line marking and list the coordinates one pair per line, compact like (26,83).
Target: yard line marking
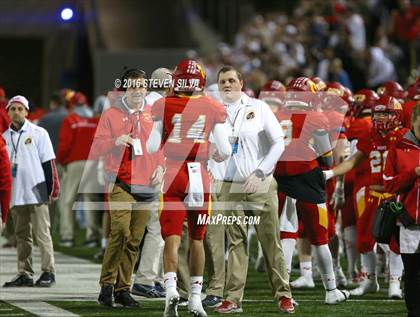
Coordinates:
(42,309)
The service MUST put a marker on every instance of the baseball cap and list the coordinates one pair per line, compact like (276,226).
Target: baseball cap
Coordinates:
(20,99)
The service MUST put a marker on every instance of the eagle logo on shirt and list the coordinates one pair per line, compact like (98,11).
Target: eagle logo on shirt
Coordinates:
(250,115)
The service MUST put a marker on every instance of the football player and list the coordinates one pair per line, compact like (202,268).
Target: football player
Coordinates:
(386,118)
(300,181)
(183,122)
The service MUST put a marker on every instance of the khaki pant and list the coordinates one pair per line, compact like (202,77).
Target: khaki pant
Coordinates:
(128,222)
(150,267)
(24,217)
(214,247)
(264,204)
(72,177)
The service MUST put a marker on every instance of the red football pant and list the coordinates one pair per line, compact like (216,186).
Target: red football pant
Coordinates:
(175,210)
(365,240)
(314,218)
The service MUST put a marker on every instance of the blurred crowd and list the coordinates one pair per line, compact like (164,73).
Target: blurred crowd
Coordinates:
(357,43)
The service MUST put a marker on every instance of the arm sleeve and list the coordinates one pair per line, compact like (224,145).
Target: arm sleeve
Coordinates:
(395,182)
(51,178)
(104,141)
(274,131)
(5,181)
(155,138)
(323,148)
(221,140)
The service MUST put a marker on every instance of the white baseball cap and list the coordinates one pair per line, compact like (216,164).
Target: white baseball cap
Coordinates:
(20,99)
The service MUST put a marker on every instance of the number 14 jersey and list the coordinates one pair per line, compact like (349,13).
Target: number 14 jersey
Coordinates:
(187,123)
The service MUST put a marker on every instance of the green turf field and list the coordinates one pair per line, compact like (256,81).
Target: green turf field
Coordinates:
(257,300)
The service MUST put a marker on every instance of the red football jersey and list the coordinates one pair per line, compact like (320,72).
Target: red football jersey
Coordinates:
(187,123)
(299,156)
(359,130)
(336,123)
(375,149)
(408,107)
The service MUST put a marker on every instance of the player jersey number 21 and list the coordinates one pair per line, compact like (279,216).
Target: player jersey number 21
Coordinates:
(377,161)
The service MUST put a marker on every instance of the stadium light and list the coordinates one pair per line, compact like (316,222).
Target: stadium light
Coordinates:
(66,14)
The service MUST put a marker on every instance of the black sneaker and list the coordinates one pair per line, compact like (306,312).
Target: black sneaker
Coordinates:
(160,289)
(124,298)
(183,301)
(47,279)
(146,291)
(105,296)
(21,280)
(212,301)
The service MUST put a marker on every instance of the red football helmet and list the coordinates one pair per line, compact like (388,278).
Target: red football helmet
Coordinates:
(333,103)
(413,91)
(301,93)
(364,100)
(391,88)
(272,92)
(78,99)
(320,84)
(189,76)
(387,114)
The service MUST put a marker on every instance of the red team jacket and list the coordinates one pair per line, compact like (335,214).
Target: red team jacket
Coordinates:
(400,176)
(187,123)
(5,180)
(119,160)
(76,138)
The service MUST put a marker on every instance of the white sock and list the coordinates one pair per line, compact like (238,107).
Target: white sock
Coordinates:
(306,269)
(169,278)
(196,285)
(288,246)
(350,236)
(325,265)
(104,243)
(369,264)
(395,266)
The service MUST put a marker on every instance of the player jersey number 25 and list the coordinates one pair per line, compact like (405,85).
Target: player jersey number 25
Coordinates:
(195,132)
(377,161)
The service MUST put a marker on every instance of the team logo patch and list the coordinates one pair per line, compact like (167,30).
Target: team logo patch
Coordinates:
(28,140)
(250,115)
(147,117)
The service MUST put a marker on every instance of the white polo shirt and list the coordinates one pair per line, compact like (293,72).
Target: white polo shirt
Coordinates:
(32,149)
(253,122)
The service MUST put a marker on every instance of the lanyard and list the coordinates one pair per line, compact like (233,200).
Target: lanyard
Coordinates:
(15,147)
(232,123)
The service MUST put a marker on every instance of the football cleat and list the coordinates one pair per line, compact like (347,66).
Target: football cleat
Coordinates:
(394,290)
(336,296)
(171,303)
(303,282)
(195,306)
(366,286)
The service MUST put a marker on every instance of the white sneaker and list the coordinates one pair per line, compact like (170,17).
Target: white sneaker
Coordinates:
(340,278)
(195,307)
(336,296)
(303,282)
(366,286)
(171,303)
(394,290)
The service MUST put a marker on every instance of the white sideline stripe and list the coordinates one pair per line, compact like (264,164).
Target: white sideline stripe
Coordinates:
(42,309)
(5,309)
(321,300)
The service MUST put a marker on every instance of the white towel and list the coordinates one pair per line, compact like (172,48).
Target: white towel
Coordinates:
(195,197)
(288,218)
